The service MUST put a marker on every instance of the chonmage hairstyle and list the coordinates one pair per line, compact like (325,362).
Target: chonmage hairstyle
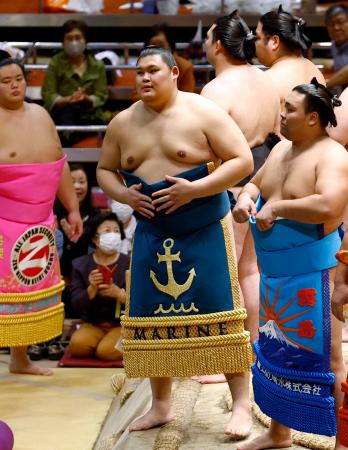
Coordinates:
(288,27)
(319,99)
(235,36)
(164,53)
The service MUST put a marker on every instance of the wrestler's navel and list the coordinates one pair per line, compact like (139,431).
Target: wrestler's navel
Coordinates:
(130,160)
(13,154)
(181,153)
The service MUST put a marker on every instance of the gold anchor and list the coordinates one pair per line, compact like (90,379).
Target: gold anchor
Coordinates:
(172,287)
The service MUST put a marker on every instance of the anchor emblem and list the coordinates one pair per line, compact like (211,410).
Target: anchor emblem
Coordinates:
(172,288)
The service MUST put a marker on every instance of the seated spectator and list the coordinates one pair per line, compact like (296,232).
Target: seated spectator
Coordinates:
(336,19)
(75,87)
(125,214)
(97,291)
(72,250)
(161,36)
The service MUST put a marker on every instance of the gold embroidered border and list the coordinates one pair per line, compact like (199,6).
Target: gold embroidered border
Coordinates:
(188,331)
(26,329)
(196,319)
(232,268)
(24,297)
(227,355)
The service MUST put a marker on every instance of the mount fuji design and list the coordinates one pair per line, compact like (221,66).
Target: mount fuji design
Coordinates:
(272,331)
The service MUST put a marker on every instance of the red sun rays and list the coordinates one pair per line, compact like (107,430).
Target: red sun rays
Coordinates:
(269,314)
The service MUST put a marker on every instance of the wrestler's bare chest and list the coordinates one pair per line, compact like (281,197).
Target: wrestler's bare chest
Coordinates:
(167,139)
(289,177)
(26,142)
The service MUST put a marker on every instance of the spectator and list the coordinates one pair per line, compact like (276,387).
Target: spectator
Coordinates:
(336,19)
(98,292)
(125,215)
(161,36)
(75,87)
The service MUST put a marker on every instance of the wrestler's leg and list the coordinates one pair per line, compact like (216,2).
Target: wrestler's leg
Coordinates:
(239,231)
(160,411)
(278,436)
(239,425)
(20,363)
(338,367)
(249,279)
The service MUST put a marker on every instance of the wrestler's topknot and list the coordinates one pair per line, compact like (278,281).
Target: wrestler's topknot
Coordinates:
(320,100)
(288,27)
(235,36)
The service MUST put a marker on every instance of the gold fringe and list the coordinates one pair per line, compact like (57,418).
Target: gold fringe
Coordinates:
(187,357)
(32,328)
(24,297)
(232,267)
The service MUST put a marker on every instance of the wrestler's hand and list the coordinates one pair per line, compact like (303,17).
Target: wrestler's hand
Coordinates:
(339,299)
(171,198)
(244,208)
(76,226)
(265,217)
(140,202)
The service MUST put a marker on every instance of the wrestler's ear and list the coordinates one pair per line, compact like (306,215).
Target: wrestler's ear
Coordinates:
(274,42)
(313,118)
(175,72)
(218,46)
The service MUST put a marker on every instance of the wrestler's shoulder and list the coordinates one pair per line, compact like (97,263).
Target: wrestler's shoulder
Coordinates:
(34,108)
(124,115)
(198,103)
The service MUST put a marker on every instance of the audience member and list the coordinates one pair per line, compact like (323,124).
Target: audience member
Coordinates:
(336,19)
(161,36)
(75,87)
(97,290)
(125,215)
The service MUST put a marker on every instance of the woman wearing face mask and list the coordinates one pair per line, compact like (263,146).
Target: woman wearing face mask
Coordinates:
(125,215)
(75,87)
(97,291)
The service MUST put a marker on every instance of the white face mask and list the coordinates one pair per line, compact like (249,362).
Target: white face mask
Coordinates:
(110,242)
(122,211)
(74,48)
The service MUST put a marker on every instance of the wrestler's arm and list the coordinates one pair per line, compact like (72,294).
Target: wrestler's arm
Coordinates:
(247,197)
(230,146)
(340,294)
(107,172)
(330,196)
(66,192)
(338,78)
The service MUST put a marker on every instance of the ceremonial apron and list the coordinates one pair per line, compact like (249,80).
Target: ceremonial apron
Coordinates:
(183,314)
(30,281)
(292,377)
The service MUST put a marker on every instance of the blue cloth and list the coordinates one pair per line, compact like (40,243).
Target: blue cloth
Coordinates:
(193,235)
(292,377)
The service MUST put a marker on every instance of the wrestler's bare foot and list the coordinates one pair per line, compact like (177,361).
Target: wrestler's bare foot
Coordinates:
(29,369)
(240,423)
(267,440)
(155,417)
(209,379)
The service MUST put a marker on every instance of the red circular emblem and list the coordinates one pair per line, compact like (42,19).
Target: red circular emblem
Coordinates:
(33,254)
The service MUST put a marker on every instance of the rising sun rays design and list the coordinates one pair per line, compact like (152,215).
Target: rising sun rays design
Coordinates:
(267,312)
